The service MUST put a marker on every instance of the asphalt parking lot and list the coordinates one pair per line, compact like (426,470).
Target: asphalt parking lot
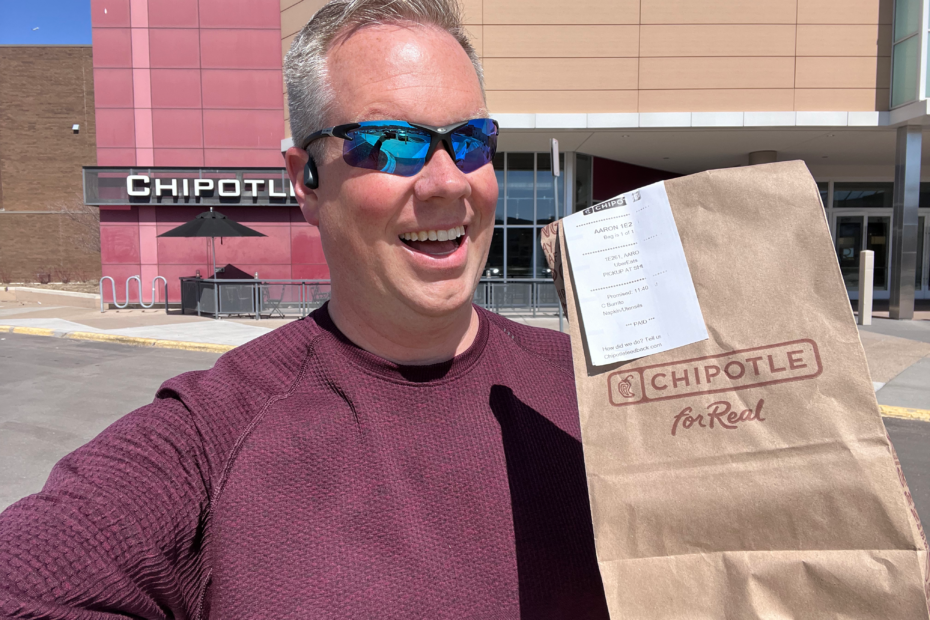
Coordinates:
(57,394)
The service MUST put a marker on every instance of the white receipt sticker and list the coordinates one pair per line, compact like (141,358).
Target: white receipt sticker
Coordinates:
(631,277)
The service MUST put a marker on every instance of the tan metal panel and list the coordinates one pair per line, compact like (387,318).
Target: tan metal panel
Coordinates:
(687,73)
(560,73)
(846,40)
(288,3)
(561,12)
(561,41)
(843,99)
(561,101)
(844,11)
(820,72)
(472,11)
(476,36)
(286,44)
(296,16)
(719,11)
(717,100)
(717,40)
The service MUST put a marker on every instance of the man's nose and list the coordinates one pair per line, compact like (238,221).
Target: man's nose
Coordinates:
(441,178)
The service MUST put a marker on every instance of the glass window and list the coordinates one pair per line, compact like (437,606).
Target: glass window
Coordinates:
(494,267)
(905,60)
(545,201)
(927,71)
(582,182)
(520,244)
(499,172)
(848,245)
(924,200)
(877,241)
(542,267)
(906,18)
(862,195)
(520,188)
(824,189)
(921,222)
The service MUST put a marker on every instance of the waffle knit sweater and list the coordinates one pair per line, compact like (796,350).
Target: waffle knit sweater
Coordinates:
(303,477)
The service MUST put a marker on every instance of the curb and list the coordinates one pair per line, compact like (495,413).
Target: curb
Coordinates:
(119,339)
(905,413)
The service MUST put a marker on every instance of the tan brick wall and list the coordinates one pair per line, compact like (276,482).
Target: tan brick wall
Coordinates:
(44,90)
(673,55)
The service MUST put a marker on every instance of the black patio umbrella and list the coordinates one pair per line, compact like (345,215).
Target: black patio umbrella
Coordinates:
(212,224)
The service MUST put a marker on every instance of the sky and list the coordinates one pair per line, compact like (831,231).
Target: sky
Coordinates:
(61,22)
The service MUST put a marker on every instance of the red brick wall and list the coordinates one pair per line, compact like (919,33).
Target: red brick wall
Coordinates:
(44,90)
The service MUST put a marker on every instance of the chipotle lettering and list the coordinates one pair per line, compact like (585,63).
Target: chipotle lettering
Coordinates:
(796,360)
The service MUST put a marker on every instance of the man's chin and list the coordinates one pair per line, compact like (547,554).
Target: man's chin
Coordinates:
(439,301)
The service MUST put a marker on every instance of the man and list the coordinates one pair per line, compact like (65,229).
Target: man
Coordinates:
(398,454)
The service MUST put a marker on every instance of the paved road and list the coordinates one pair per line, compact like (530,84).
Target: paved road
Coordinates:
(57,394)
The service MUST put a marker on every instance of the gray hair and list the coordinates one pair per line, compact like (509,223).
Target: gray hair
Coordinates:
(309,93)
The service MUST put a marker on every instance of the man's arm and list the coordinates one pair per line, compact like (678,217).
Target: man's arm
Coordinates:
(118,530)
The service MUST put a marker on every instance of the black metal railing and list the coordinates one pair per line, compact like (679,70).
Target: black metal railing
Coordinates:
(298,298)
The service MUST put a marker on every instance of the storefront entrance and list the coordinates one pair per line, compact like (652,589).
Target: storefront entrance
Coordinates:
(863,230)
(870,229)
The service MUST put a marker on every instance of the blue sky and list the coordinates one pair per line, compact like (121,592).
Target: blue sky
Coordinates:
(60,22)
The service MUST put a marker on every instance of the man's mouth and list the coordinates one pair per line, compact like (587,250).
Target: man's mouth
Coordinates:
(435,242)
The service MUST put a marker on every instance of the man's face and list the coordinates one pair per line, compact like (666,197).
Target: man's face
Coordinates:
(366,218)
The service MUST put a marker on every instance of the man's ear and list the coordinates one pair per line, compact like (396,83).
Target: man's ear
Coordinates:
(296,160)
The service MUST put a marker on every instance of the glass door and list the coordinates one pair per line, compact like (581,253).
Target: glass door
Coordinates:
(848,245)
(863,231)
(922,288)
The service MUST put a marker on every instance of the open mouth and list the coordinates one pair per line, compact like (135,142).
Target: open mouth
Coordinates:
(435,242)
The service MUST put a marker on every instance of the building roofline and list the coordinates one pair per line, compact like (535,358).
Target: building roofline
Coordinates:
(46,45)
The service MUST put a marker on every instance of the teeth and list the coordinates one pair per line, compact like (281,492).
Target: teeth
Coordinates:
(435,235)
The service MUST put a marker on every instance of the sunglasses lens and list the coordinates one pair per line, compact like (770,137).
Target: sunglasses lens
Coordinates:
(393,147)
(474,144)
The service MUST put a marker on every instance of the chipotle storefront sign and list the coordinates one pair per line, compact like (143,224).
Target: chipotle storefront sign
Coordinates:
(183,186)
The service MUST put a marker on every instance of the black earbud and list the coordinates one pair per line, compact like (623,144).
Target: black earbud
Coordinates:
(310,175)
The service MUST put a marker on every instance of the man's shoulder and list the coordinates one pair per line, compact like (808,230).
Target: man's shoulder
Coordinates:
(247,376)
(546,345)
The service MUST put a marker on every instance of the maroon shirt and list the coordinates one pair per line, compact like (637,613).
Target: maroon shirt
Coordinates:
(304,477)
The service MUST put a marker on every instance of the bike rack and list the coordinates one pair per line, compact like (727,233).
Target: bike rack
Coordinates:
(126,303)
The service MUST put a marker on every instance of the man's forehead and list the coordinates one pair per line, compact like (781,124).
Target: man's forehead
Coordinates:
(387,72)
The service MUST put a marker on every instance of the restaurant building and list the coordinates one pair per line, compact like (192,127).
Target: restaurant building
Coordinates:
(634,90)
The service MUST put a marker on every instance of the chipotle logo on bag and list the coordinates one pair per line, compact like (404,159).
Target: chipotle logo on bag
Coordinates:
(753,477)
(796,360)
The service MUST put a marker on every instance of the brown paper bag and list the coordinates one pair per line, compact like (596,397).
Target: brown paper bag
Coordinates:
(765,485)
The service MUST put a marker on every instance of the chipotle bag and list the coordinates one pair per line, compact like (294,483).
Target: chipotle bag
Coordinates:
(765,485)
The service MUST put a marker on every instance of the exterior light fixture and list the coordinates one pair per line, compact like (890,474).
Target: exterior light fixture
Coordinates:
(75,128)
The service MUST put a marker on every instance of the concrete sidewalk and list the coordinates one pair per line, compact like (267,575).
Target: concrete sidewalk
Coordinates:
(898,352)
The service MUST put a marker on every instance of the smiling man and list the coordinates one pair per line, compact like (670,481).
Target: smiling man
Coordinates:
(400,453)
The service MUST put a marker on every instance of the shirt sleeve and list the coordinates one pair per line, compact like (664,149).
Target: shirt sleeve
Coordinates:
(118,530)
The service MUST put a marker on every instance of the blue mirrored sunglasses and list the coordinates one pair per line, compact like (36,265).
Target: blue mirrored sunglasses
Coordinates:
(402,148)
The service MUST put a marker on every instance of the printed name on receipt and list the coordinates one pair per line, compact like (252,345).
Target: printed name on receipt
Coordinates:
(631,277)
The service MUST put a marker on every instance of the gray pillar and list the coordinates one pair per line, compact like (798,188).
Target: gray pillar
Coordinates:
(763,157)
(904,221)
